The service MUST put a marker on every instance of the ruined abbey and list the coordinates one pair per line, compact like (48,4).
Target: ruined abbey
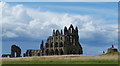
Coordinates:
(14,49)
(60,43)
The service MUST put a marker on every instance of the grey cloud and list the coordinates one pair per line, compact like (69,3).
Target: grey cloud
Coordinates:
(27,22)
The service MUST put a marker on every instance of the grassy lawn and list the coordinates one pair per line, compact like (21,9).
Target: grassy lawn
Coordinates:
(111,58)
(63,62)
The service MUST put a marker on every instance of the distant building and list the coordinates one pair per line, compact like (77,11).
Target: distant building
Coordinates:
(59,43)
(112,49)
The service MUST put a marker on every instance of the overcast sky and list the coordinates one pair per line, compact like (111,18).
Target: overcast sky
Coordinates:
(26,24)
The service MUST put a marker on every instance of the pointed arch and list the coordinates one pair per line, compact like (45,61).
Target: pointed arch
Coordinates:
(52,52)
(47,52)
(61,44)
(15,50)
(61,52)
(47,45)
(56,44)
(51,45)
(56,52)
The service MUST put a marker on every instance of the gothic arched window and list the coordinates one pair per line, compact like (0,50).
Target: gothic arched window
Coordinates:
(56,38)
(56,52)
(47,52)
(51,45)
(47,45)
(61,38)
(52,52)
(61,52)
(71,39)
(71,30)
(61,44)
(56,44)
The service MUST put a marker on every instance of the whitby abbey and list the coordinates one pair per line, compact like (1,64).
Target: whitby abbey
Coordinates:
(59,43)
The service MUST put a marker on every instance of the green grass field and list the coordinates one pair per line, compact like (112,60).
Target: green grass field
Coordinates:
(62,62)
(111,58)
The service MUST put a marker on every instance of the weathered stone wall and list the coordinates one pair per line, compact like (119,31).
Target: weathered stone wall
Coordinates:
(15,49)
(32,52)
(62,44)
(6,55)
(59,44)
